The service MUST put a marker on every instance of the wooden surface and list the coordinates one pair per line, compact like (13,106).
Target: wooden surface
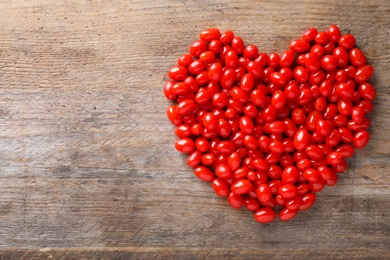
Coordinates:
(87,164)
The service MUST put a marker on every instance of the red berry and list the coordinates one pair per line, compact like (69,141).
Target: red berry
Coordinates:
(204,173)
(264,193)
(235,201)
(364,73)
(288,191)
(286,59)
(360,139)
(197,48)
(301,139)
(251,204)
(312,62)
(329,62)
(238,45)
(210,34)
(322,38)
(285,214)
(220,187)
(309,34)
(290,175)
(265,215)
(241,187)
(347,41)
(367,91)
(185,145)
(357,57)
(334,33)
(307,201)
(299,45)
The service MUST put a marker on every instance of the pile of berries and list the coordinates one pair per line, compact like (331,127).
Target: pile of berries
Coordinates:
(269,131)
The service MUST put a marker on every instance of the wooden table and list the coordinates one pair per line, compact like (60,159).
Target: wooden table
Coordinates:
(87,164)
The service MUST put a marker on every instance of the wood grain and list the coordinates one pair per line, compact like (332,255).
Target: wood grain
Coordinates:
(87,165)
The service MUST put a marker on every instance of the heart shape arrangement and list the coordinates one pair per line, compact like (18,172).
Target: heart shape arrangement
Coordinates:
(269,131)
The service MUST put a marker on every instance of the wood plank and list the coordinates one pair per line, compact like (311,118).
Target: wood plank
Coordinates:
(87,164)
(196,253)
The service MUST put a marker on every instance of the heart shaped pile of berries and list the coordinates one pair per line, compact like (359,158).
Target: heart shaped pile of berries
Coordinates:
(269,131)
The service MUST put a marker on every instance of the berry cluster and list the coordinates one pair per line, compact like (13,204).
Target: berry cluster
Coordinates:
(270,130)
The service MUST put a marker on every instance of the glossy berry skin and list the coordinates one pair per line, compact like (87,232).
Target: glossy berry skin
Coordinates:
(210,122)
(311,175)
(220,187)
(273,60)
(298,116)
(286,59)
(215,72)
(357,57)
(237,44)
(334,33)
(328,63)
(301,74)
(363,73)
(208,159)
(185,145)
(235,201)
(278,99)
(251,204)
(322,38)
(185,60)
(180,88)
(241,187)
(334,158)
(367,91)
(231,60)
(276,127)
(278,79)
(309,34)
(255,69)
(204,173)
(210,34)
(183,131)
(290,175)
(301,139)
(246,125)
(314,152)
(307,201)
(174,115)
(168,91)
(293,204)
(360,139)
(347,41)
(333,138)
(194,159)
(178,73)
(264,193)
(346,150)
(264,215)
(186,106)
(312,62)
(342,57)
(226,37)
(247,82)
(223,171)
(299,45)
(196,67)
(288,191)
(251,51)
(214,46)
(285,214)
(346,135)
